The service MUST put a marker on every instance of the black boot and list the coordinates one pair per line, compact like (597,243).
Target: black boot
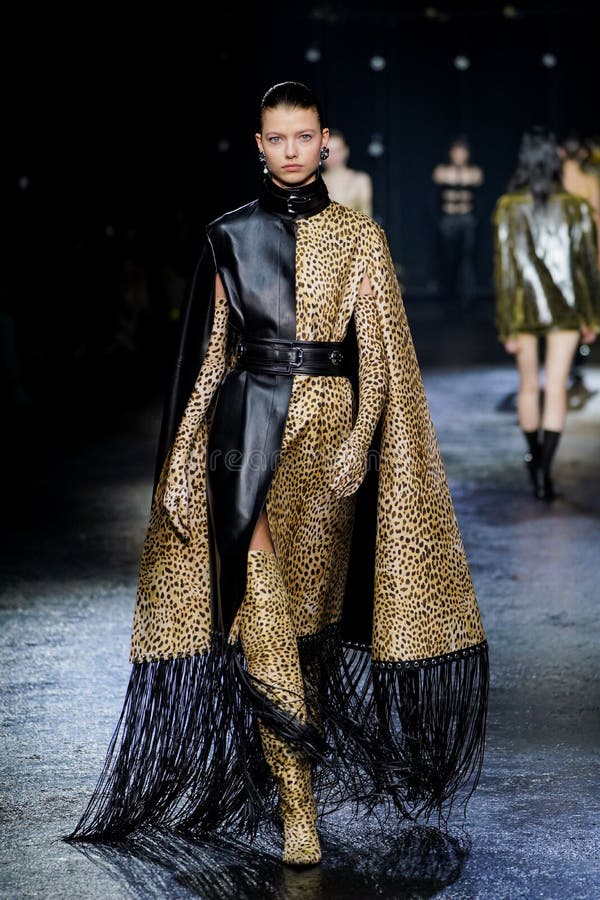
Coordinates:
(550,441)
(532,461)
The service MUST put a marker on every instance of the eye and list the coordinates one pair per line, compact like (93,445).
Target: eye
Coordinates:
(274,139)
(305,137)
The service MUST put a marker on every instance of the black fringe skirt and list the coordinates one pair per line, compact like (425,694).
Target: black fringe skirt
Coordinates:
(186,753)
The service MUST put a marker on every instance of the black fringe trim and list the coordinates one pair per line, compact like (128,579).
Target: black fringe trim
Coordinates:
(186,753)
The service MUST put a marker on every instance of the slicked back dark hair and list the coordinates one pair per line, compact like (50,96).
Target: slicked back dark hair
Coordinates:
(292,94)
(539,168)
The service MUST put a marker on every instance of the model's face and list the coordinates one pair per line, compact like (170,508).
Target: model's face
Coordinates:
(459,156)
(291,140)
(338,153)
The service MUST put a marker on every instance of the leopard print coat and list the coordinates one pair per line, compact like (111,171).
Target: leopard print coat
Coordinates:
(424,606)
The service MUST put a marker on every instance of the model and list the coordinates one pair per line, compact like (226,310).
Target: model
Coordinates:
(456,183)
(306,629)
(547,285)
(346,185)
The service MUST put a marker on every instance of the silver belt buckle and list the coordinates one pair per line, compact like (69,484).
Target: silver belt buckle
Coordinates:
(336,357)
(298,361)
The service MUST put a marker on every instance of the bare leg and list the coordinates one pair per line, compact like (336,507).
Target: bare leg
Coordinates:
(261,538)
(528,401)
(560,351)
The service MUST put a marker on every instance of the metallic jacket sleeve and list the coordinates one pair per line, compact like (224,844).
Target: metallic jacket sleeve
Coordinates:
(584,255)
(506,275)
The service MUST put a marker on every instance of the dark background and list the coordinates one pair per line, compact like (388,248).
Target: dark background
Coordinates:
(137,130)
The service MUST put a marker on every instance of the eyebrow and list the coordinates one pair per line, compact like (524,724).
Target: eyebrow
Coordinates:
(302,131)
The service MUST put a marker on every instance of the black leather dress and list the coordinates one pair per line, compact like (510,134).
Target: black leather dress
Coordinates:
(253,249)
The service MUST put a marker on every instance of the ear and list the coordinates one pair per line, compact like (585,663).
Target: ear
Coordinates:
(324,137)
(258,140)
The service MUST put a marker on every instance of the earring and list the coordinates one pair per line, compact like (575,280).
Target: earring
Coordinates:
(263,161)
(324,153)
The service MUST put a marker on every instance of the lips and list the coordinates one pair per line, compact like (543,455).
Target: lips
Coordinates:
(292,166)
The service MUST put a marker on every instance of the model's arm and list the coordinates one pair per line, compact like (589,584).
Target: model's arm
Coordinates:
(438,175)
(350,465)
(175,497)
(365,194)
(595,204)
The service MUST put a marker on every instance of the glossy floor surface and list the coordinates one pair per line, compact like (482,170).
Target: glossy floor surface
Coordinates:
(75,512)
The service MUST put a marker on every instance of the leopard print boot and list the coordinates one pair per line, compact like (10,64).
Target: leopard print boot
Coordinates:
(271,650)
(297,806)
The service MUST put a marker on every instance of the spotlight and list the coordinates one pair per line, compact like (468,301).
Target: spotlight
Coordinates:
(549,60)
(376,146)
(223,145)
(432,13)
(23,182)
(312,54)
(462,63)
(378,63)
(510,12)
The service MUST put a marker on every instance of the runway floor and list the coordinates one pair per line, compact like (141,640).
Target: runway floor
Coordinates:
(75,516)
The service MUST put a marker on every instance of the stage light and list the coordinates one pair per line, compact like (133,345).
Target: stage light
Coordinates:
(23,182)
(549,60)
(376,146)
(223,145)
(312,54)
(431,12)
(462,63)
(510,12)
(378,63)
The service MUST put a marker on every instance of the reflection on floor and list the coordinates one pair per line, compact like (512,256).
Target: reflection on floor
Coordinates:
(76,510)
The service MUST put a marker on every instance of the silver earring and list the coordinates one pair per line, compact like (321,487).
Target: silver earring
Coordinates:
(324,153)
(263,161)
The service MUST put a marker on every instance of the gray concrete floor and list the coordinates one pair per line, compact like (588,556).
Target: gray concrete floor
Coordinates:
(75,516)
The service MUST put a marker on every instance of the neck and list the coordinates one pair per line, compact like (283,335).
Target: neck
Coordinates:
(294,201)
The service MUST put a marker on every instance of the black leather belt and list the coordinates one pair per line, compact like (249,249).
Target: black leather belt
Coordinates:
(281,357)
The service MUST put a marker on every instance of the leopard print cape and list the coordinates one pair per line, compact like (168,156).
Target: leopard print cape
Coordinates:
(423,606)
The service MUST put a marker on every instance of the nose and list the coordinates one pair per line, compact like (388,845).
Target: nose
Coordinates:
(290,149)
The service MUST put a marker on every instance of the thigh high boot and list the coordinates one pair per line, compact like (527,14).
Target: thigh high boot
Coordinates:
(271,650)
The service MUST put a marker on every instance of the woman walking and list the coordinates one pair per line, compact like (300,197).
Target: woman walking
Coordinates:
(306,629)
(547,286)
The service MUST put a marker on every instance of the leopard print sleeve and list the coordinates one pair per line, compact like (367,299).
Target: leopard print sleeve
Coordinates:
(175,497)
(372,369)
(350,466)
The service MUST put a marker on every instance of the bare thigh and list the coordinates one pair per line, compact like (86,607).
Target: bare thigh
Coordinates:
(261,537)
(528,362)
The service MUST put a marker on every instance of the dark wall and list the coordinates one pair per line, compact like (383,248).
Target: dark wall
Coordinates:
(138,132)
(419,101)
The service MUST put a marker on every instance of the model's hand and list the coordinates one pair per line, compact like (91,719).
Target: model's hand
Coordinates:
(349,467)
(175,501)
(588,335)
(512,345)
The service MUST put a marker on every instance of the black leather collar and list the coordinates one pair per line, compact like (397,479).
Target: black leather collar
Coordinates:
(294,203)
